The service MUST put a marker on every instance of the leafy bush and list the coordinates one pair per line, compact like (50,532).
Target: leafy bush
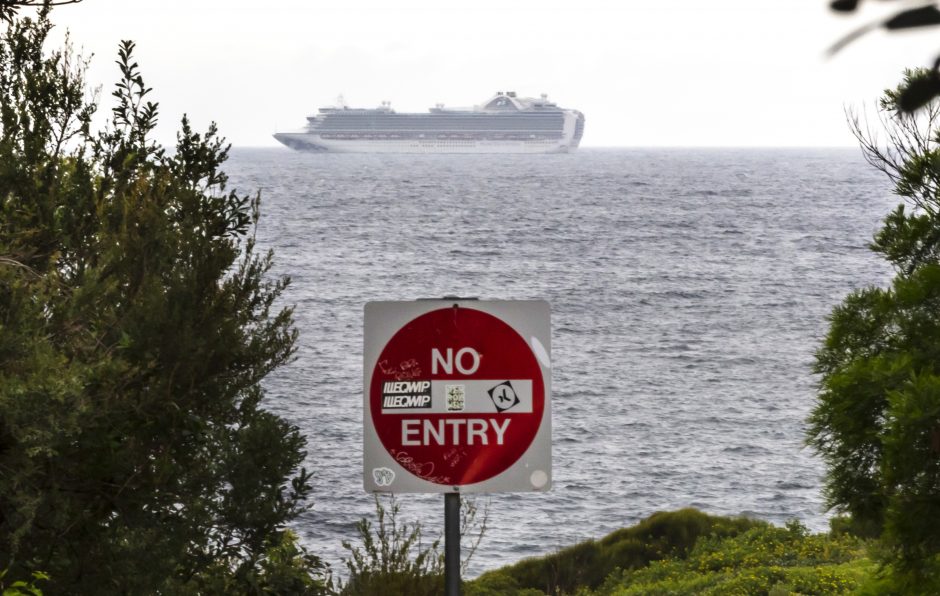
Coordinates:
(284,568)
(588,564)
(393,559)
(763,560)
(137,322)
(688,552)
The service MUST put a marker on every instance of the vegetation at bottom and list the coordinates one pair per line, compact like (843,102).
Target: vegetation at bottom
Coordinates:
(677,553)
(762,560)
(395,557)
(689,552)
(589,563)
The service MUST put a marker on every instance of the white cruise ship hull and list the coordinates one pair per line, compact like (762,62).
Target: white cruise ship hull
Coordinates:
(314,143)
(505,124)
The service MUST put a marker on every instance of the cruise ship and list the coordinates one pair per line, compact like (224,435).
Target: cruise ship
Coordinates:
(505,123)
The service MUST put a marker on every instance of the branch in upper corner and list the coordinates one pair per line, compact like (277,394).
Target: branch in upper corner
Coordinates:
(8,8)
(18,3)
(919,91)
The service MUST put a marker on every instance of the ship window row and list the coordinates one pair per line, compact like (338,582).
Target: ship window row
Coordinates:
(442,116)
(441,138)
(439,117)
(475,129)
(436,132)
(419,125)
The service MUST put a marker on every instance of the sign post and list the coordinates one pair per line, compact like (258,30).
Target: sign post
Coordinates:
(457,399)
(451,544)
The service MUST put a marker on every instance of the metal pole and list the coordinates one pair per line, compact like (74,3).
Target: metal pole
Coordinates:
(452,544)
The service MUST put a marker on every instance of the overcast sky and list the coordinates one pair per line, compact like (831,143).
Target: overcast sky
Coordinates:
(644,73)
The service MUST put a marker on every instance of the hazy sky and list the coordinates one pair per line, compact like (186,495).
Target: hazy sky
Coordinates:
(645,73)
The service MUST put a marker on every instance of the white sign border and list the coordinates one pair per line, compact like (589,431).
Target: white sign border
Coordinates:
(531,319)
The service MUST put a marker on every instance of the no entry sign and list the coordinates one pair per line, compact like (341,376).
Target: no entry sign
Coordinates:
(456,396)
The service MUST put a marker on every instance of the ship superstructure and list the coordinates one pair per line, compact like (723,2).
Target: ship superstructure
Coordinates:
(505,123)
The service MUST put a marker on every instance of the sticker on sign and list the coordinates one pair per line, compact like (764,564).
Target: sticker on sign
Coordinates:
(457,396)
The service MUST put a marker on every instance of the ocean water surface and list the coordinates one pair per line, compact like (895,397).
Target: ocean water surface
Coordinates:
(689,291)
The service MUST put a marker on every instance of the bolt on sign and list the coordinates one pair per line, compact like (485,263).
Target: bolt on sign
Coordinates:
(456,396)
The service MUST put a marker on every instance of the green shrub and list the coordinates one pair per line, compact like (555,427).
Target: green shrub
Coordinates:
(392,558)
(285,568)
(588,564)
(764,560)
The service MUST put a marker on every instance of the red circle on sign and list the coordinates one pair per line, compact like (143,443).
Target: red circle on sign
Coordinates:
(499,420)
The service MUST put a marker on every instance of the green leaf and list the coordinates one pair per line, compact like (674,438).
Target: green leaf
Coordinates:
(924,16)
(919,92)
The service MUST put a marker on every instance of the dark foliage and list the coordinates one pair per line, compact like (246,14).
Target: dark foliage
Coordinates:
(136,323)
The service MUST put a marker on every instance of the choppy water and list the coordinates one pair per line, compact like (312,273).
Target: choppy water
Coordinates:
(689,290)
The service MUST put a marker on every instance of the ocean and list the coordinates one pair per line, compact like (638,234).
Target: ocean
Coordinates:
(689,291)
